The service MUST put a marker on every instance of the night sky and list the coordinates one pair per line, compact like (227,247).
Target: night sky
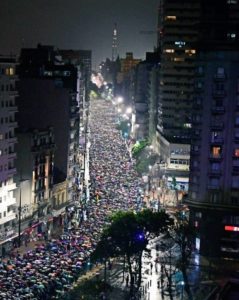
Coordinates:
(78,24)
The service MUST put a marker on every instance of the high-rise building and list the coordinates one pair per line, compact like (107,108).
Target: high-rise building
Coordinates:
(214,171)
(144,87)
(8,94)
(214,181)
(178,34)
(82,59)
(52,89)
(177,37)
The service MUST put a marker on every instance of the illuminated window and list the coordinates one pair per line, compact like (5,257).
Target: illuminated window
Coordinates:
(231,35)
(216,151)
(169,50)
(236,152)
(180,43)
(190,51)
(10,71)
(178,59)
(232,1)
(171,18)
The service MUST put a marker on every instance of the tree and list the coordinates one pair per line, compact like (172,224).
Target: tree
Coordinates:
(128,236)
(182,235)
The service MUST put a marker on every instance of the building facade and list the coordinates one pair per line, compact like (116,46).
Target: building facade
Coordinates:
(35,165)
(178,36)
(8,109)
(52,88)
(214,176)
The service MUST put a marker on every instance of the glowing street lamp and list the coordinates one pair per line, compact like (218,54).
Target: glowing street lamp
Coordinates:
(182,283)
(120,100)
(129,110)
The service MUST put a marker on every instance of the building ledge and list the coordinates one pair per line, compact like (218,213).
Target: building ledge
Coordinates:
(212,206)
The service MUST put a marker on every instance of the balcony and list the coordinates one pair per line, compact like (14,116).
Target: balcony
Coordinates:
(219,77)
(215,172)
(217,125)
(12,108)
(218,93)
(11,155)
(213,187)
(12,123)
(218,109)
(11,171)
(195,152)
(216,157)
(217,141)
(235,169)
(13,93)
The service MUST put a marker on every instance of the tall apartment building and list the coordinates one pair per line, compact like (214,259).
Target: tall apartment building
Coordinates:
(51,87)
(128,63)
(142,101)
(35,165)
(8,141)
(214,177)
(81,59)
(177,37)
(178,22)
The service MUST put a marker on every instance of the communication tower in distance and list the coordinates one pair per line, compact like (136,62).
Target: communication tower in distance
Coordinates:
(115,43)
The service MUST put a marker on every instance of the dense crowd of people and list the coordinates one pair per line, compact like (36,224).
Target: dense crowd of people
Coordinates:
(49,270)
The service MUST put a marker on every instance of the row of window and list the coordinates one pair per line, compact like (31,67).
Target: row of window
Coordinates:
(6,151)
(7,103)
(6,167)
(179,161)
(43,140)
(7,120)
(8,87)
(4,214)
(7,135)
(187,51)
(9,71)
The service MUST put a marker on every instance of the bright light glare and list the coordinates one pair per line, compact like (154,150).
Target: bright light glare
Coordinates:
(129,110)
(120,99)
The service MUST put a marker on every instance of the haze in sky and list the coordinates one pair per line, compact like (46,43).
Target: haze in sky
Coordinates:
(78,24)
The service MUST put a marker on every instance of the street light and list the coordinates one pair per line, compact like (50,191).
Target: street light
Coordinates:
(182,288)
(120,100)
(129,110)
